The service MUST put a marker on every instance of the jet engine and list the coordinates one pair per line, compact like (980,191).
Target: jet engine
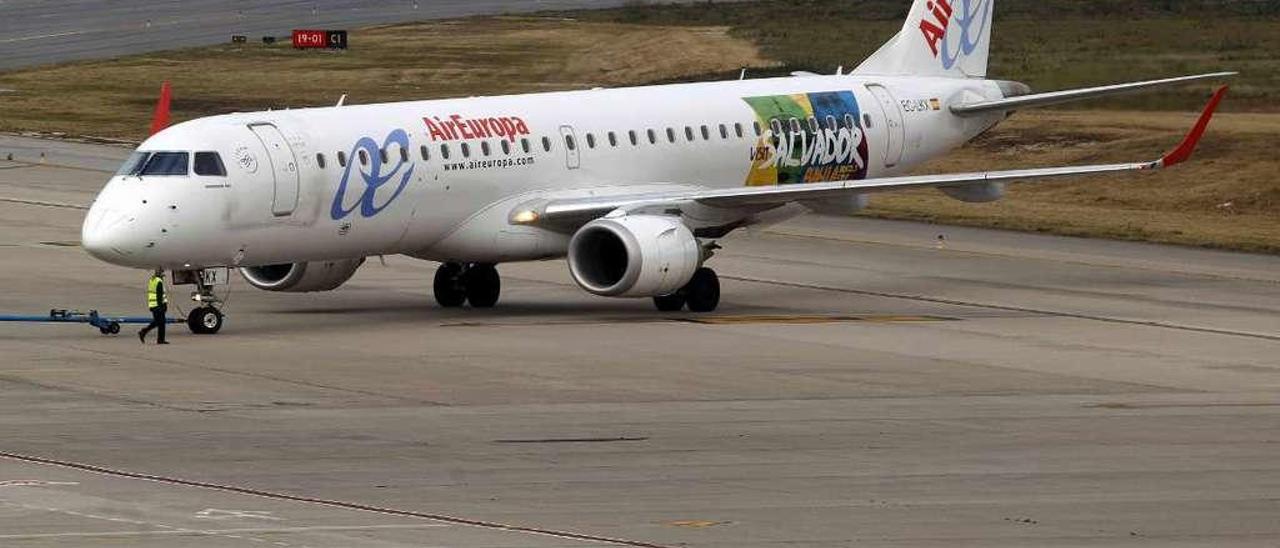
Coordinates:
(986,192)
(634,256)
(301,277)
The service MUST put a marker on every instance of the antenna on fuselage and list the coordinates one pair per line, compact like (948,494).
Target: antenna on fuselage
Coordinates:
(840,70)
(341,100)
(743,75)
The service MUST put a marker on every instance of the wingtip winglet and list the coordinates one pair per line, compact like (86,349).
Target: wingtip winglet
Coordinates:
(1188,145)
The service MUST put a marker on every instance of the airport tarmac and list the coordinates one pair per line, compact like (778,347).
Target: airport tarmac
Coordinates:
(37,32)
(862,384)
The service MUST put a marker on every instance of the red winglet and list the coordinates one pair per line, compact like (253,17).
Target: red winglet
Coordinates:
(161,118)
(1184,150)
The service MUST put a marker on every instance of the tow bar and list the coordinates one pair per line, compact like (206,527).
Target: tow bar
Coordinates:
(107,325)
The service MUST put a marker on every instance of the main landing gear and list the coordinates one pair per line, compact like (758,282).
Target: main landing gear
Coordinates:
(206,318)
(701,294)
(475,283)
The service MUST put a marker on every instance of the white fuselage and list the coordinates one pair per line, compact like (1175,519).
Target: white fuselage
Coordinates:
(278,204)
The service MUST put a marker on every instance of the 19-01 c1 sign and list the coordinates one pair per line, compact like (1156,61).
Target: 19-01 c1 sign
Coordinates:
(323,39)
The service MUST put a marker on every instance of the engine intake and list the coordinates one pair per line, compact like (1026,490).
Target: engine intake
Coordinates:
(633,256)
(301,277)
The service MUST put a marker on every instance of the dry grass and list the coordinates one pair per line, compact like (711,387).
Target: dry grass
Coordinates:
(494,55)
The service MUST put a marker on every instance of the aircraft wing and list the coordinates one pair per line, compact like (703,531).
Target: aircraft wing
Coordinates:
(573,211)
(1058,97)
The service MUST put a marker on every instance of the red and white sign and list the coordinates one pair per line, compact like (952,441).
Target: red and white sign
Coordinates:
(304,39)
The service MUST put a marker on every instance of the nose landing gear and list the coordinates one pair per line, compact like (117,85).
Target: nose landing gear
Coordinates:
(206,318)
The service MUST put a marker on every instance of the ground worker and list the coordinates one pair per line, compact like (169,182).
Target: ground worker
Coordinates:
(158,304)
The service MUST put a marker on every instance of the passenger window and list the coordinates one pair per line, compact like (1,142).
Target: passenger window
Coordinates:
(813,124)
(848,121)
(484,147)
(653,137)
(342,159)
(166,163)
(613,139)
(210,163)
(404,154)
(724,132)
(425,152)
(756,126)
(524,144)
(444,151)
(364,157)
(831,123)
(866,120)
(319,161)
(632,135)
(737,129)
(795,125)
(671,135)
(706,135)
(776,126)
(688,133)
(466,150)
(591,140)
(382,155)
(546,144)
(568,142)
(506,146)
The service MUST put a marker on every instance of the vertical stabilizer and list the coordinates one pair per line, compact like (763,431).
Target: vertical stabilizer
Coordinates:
(940,38)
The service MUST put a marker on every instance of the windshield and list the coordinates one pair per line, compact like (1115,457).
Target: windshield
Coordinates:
(134,164)
(145,162)
(166,163)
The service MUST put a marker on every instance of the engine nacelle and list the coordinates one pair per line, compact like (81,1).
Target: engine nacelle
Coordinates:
(633,256)
(301,277)
(986,192)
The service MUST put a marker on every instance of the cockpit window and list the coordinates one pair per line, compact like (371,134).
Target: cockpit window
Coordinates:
(134,164)
(209,163)
(166,163)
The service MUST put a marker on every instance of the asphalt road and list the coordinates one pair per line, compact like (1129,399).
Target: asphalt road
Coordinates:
(860,386)
(37,32)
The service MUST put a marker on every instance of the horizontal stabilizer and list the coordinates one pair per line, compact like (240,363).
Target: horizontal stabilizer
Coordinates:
(1058,97)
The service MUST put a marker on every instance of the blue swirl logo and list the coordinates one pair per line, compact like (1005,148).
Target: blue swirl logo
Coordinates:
(368,202)
(965,18)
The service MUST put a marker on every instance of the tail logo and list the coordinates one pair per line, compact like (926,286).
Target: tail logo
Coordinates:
(970,18)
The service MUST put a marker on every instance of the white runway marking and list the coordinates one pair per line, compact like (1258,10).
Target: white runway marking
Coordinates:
(40,36)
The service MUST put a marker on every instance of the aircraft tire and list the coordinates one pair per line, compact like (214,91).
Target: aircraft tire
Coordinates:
(205,320)
(483,285)
(702,293)
(669,303)
(449,289)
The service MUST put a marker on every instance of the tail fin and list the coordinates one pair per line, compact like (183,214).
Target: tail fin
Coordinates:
(940,38)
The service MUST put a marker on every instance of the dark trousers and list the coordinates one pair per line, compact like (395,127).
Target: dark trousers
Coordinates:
(157,323)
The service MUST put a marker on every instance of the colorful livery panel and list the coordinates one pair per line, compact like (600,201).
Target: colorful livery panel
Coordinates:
(806,138)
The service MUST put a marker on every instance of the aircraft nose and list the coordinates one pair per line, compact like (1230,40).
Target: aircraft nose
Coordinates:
(104,235)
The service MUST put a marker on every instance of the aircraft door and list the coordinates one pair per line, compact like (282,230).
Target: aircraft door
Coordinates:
(284,168)
(895,131)
(573,157)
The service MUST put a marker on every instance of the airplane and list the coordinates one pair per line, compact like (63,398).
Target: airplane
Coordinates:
(634,186)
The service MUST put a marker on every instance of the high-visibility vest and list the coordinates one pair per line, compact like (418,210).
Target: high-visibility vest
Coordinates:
(153,300)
